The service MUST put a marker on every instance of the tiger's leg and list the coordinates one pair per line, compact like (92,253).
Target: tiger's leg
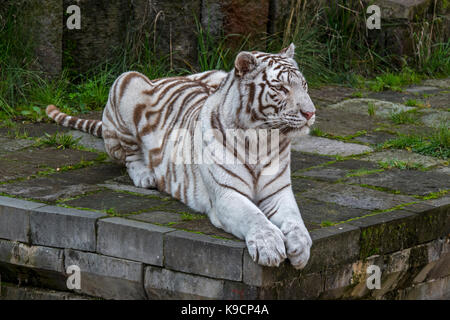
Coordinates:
(282,210)
(139,172)
(241,217)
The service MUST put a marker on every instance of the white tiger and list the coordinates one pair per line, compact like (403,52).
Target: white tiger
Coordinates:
(263,92)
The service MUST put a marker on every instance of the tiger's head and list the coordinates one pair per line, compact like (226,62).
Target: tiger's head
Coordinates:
(273,92)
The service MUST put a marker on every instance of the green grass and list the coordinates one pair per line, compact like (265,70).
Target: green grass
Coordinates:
(59,140)
(399,164)
(371,109)
(393,81)
(317,132)
(436,145)
(405,117)
(417,103)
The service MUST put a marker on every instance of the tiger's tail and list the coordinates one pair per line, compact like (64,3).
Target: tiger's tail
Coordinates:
(93,127)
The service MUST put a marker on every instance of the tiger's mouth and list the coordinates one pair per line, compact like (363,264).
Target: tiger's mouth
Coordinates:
(295,129)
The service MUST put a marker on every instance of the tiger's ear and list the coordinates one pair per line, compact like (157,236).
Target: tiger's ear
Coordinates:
(244,63)
(288,52)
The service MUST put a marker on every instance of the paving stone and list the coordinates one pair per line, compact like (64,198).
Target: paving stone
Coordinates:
(441,83)
(157,217)
(439,202)
(340,123)
(64,228)
(301,184)
(301,161)
(360,106)
(119,202)
(438,101)
(33,130)
(420,89)
(392,96)
(403,156)
(166,284)
(30,161)
(204,226)
(358,197)
(88,141)
(330,94)
(332,246)
(203,255)
(375,137)
(132,240)
(339,170)
(107,277)
(437,119)
(12,145)
(425,182)
(418,207)
(328,146)
(63,185)
(31,256)
(318,212)
(15,218)
(127,188)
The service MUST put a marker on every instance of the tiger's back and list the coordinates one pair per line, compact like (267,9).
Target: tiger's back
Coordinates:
(138,120)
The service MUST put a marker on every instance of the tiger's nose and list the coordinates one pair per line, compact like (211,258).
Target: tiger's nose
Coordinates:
(307,115)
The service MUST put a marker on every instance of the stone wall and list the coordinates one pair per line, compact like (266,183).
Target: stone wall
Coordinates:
(108,25)
(125,259)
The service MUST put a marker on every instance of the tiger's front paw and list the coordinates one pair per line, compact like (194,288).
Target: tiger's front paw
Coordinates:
(298,243)
(266,245)
(140,175)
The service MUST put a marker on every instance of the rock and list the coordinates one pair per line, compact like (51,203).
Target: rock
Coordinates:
(328,146)
(360,106)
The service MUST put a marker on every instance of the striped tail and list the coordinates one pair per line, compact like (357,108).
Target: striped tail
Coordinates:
(93,127)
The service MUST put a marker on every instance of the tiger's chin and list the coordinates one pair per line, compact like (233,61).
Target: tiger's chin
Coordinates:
(295,132)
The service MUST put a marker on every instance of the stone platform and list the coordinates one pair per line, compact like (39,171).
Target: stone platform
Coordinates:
(61,207)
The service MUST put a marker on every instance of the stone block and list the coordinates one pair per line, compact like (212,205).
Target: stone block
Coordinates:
(36,257)
(107,277)
(64,228)
(15,218)
(203,255)
(354,196)
(396,230)
(132,240)
(13,292)
(400,180)
(166,284)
